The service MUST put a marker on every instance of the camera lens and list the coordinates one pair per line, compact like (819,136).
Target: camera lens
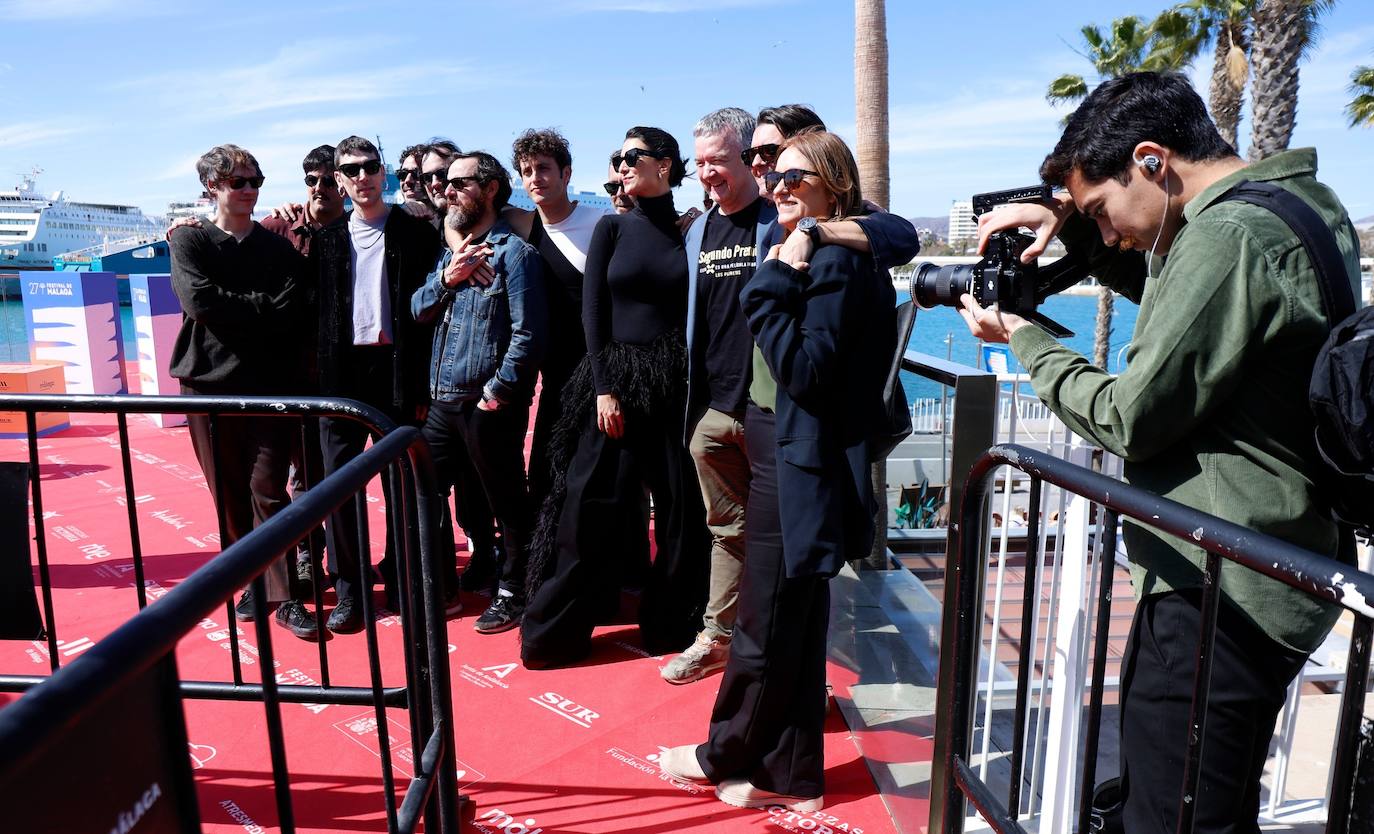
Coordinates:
(940,286)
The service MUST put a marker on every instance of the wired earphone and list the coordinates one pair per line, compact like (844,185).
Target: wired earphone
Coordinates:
(1151,164)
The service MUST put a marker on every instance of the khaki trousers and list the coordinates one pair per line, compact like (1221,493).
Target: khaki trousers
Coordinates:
(718,449)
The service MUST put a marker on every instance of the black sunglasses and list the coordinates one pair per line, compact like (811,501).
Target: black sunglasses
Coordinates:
(370,167)
(409,174)
(311,180)
(791,178)
(613,188)
(632,157)
(768,152)
(438,177)
(459,183)
(235,183)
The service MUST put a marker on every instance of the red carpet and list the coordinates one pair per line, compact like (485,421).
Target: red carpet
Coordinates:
(571,750)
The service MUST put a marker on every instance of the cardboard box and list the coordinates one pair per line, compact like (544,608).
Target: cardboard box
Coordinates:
(31,379)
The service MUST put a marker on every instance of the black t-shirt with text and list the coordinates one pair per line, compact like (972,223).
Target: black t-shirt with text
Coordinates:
(729,255)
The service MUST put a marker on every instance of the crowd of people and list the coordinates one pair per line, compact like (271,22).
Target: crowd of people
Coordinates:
(721,373)
(687,367)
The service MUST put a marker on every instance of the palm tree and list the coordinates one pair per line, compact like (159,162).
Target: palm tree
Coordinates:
(1129,45)
(1361,107)
(870,105)
(870,97)
(1226,25)
(1284,31)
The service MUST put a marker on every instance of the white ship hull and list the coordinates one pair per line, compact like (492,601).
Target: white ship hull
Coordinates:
(34,229)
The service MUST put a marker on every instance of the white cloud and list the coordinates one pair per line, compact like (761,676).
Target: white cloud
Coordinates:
(23,134)
(297,76)
(310,128)
(76,10)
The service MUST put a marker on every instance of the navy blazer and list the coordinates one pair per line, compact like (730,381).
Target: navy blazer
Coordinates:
(828,336)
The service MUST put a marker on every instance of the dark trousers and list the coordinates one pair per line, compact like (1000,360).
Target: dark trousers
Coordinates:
(633,547)
(246,468)
(1250,677)
(603,492)
(486,449)
(367,372)
(307,468)
(768,723)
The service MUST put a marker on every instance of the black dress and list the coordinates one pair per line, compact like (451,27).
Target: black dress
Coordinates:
(634,310)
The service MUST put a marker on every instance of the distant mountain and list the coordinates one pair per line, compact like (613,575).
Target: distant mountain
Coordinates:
(938,225)
(1367,223)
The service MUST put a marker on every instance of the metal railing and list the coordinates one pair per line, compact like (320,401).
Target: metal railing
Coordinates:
(954,781)
(149,639)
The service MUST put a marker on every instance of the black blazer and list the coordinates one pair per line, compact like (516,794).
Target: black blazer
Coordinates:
(412,247)
(828,335)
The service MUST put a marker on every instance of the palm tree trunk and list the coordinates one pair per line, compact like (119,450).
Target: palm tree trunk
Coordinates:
(1280,30)
(1102,333)
(870,106)
(870,97)
(1232,44)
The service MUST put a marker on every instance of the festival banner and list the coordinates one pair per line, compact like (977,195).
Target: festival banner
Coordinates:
(72,320)
(157,320)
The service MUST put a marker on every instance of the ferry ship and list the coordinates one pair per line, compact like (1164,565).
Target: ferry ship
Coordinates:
(35,228)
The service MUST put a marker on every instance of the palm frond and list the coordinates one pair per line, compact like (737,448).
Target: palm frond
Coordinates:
(1067,88)
(1360,110)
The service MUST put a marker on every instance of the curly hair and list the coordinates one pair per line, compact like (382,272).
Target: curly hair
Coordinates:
(547,142)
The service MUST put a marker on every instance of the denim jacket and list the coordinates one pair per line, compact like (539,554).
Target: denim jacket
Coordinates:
(488,341)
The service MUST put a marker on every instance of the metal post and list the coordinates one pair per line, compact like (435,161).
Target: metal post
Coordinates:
(135,540)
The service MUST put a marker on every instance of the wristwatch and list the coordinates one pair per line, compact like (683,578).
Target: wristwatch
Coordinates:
(811,227)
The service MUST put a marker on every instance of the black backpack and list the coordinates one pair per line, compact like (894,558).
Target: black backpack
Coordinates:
(1341,392)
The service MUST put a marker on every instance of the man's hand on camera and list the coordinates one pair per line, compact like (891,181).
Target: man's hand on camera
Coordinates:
(1042,219)
(989,323)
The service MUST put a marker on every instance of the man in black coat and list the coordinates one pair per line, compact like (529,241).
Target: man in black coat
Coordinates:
(370,349)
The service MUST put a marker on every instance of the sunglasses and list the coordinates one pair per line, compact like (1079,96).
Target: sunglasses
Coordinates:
(438,177)
(791,179)
(235,183)
(351,169)
(632,157)
(459,183)
(769,153)
(311,180)
(613,188)
(409,174)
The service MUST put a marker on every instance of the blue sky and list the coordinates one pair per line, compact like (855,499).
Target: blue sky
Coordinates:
(115,99)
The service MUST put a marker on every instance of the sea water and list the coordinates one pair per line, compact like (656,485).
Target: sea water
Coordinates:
(939,332)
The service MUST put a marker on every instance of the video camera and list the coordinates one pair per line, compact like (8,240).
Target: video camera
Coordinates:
(1000,278)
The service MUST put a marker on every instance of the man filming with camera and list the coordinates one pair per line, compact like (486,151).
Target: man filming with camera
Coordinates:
(1211,411)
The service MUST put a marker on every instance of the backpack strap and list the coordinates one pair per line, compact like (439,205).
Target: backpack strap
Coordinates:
(1338,301)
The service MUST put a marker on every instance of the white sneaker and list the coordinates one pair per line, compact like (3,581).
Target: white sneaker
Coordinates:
(706,655)
(681,763)
(741,793)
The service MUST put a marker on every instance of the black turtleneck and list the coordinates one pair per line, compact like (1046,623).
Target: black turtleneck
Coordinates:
(635,286)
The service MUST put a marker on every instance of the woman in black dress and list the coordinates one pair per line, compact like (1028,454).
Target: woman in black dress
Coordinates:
(825,327)
(622,427)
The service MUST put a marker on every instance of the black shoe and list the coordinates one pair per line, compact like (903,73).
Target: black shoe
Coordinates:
(245,611)
(503,614)
(292,616)
(347,617)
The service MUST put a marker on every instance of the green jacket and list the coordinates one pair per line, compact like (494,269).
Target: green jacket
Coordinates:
(1211,410)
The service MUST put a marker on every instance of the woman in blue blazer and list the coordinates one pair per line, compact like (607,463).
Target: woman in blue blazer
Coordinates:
(824,324)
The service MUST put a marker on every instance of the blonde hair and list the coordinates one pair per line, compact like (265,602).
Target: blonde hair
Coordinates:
(834,166)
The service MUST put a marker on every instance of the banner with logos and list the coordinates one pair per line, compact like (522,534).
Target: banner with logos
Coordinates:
(157,320)
(73,321)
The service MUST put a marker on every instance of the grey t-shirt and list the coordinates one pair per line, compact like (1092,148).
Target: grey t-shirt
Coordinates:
(371,300)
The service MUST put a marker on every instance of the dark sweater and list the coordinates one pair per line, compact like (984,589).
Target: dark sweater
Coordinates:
(635,286)
(243,311)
